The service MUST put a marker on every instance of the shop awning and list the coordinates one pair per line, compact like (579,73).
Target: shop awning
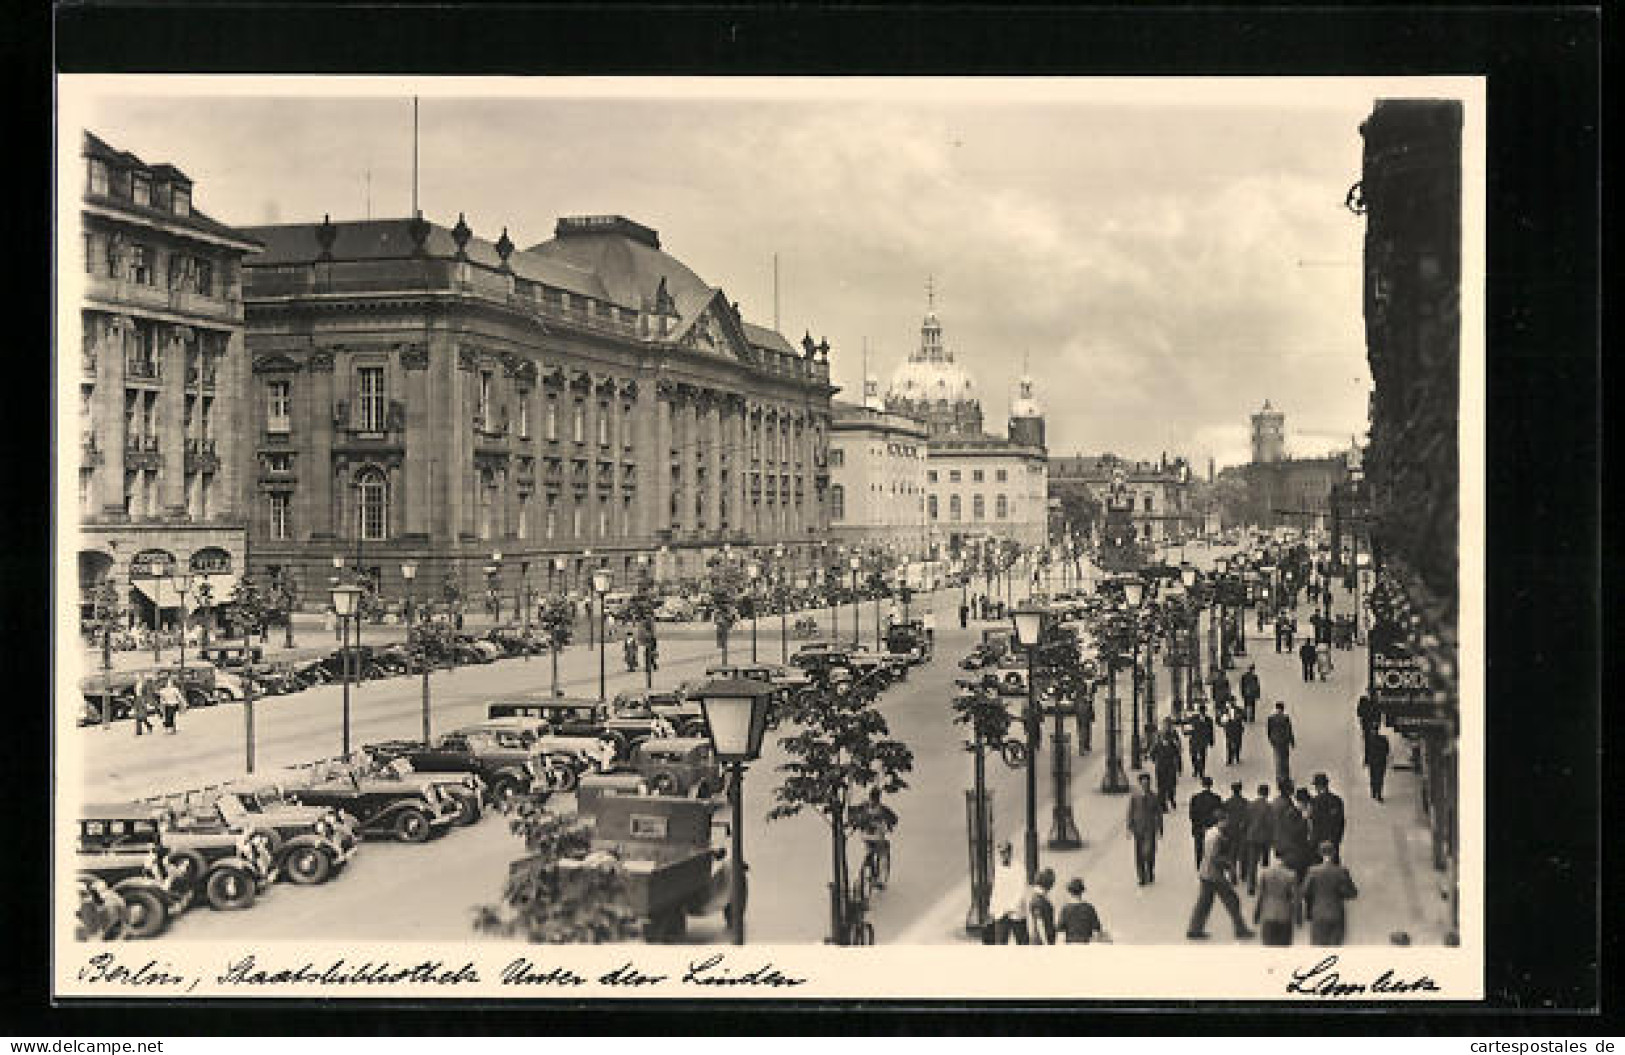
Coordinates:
(160,592)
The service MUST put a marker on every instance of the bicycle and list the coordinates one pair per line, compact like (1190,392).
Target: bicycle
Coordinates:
(875,872)
(856,929)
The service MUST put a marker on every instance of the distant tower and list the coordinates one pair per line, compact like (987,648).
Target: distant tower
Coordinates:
(1026,416)
(1269,435)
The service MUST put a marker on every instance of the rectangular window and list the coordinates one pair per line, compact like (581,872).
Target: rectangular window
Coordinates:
(978,507)
(279,462)
(524,516)
(575,520)
(95,253)
(1001,507)
(140,265)
(626,426)
(953,507)
(931,506)
(181,201)
(578,423)
(483,412)
(930,476)
(551,424)
(98,176)
(603,518)
(1002,475)
(371,400)
(837,502)
(203,278)
(953,476)
(551,525)
(278,404)
(837,457)
(140,189)
(976,476)
(603,424)
(524,415)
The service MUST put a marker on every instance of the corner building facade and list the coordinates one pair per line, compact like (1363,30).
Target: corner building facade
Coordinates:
(509,419)
(162,369)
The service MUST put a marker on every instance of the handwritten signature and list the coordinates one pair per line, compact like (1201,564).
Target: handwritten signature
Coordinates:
(1323,980)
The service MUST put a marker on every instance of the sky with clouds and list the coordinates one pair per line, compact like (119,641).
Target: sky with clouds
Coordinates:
(1164,259)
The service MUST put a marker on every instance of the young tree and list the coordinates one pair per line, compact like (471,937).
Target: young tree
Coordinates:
(843,748)
(545,901)
(723,592)
(248,605)
(554,620)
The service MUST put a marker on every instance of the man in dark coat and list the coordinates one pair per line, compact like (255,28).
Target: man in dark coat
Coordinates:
(1256,837)
(1235,810)
(1234,728)
(964,615)
(1306,659)
(1281,644)
(1376,761)
(1251,691)
(1326,817)
(1165,761)
(1145,828)
(1278,730)
(1365,712)
(1325,888)
(1201,738)
(1205,810)
(1292,842)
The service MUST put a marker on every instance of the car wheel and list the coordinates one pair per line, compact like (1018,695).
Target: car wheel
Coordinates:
(145,914)
(468,809)
(568,778)
(663,784)
(307,865)
(694,729)
(230,889)
(503,791)
(412,826)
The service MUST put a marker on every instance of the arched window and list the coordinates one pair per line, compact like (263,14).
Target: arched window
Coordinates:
(372,500)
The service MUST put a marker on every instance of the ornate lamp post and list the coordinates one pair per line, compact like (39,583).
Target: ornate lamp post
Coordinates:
(409,572)
(784,625)
(1030,622)
(1133,594)
(338,567)
(1114,781)
(205,602)
(346,599)
(524,600)
(735,712)
(782,571)
(856,563)
(601,582)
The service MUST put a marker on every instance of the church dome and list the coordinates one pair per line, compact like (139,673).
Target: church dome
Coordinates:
(928,381)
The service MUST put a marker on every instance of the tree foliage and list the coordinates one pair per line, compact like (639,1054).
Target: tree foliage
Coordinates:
(984,712)
(248,604)
(547,902)
(724,589)
(554,620)
(842,748)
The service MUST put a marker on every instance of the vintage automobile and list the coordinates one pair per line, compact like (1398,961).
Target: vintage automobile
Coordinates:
(909,640)
(676,610)
(380,807)
(121,848)
(681,712)
(464,789)
(100,916)
(232,657)
(820,658)
(561,761)
(513,730)
(574,716)
(230,867)
(500,767)
(681,766)
(674,857)
(307,845)
(594,786)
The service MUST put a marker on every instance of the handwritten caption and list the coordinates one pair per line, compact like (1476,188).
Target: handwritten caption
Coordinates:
(1325,980)
(715,971)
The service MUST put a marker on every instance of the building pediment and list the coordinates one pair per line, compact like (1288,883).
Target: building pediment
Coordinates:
(275,363)
(716,330)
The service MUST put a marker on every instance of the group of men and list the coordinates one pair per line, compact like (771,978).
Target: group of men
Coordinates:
(1164,748)
(163,696)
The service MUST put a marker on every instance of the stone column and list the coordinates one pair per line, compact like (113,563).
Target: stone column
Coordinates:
(109,409)
(234,428)
(713,450)
(655,469)
(316,514)
(689,448)
(172,423)
(419,444)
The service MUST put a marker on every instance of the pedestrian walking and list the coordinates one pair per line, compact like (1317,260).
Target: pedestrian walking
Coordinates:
(1165,762)
(651,654)
(1217,878)
(629,647)
(1251,691)
(1086,723)
(1220,683)
(1283,641)
(1278,730)
(1206,808)
(1306,659)
(1234,729)
(1145,828)
(1009,899)
(1041,910)
(1325,889)
(1376,762)
(1365,712)
(928,623)
(1200,734)
(1326,817)
(1079,920)
(1323,659)
(170,702)
(142,704)
(1256,837)
(1292,841)
(964,615)
(1277,910)
(1235,811)
(1292,624)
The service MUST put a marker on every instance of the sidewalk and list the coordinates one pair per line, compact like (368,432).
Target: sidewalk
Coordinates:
(1386,845)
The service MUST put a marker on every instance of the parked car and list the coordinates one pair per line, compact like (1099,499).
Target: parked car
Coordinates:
(307,845)
(121,848)
(682,712)
(683,766)
(909,640)
(501,767)
(232,657)
(226,867)
(468,789)
(574,716)
(380,807)
(563,760)
(676,610)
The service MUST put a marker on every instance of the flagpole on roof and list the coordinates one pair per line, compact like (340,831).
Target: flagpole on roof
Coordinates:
(415,212)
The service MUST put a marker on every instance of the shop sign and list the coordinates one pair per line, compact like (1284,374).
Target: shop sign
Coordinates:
(1401,684)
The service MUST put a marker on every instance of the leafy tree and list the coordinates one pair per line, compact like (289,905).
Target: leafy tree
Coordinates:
(554,620)
(546,902)
(842,749)
(248,605)
(724,593)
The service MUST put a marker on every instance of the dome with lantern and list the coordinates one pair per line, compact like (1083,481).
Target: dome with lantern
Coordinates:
(932,387)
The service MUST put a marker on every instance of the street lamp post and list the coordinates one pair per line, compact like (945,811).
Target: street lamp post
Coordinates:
(735,712)
(784,620)
(345,600)
(856,563)
(1114,781)
(1029,626)
(1134,593)
(600,586)
(338,627)
(753,574)
(409,572)
(524,604)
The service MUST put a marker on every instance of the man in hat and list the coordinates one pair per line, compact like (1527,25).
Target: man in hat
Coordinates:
(1256,836)
(1145,828)
(1079,920)
(1205,810)
(1251,690)
(1234,729)
(1327,886)
(1235,810)
(1326,817)
(1278,730)
(1376,761)
(1201,738)
(1165,761)
(1217,877)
